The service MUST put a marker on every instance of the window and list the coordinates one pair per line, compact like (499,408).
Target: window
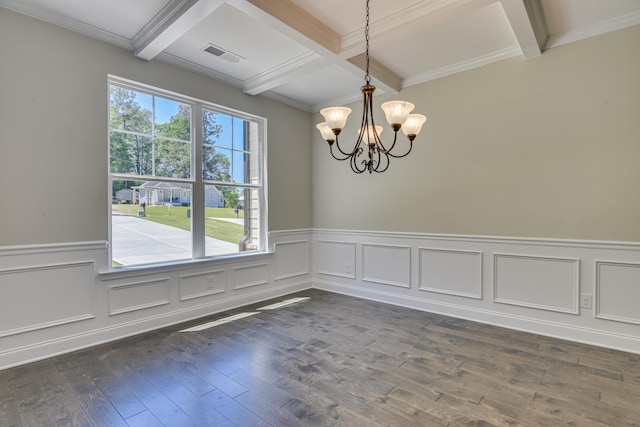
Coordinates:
(166,206)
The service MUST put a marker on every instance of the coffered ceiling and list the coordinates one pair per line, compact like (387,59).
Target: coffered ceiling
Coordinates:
(310,53)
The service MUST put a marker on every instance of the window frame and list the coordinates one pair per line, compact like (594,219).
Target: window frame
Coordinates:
(196,180)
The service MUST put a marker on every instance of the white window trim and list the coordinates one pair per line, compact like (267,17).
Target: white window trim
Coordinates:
(196,181)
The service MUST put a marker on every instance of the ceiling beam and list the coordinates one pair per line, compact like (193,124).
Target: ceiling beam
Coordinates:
(294,22)
(528,24)
(301,21)
(378,70)
(171,23)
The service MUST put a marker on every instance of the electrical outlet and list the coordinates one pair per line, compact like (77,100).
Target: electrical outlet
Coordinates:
(210,284)
(347,268)
(585,301)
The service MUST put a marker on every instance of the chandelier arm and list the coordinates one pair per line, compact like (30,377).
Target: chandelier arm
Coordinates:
(354,164)
(355,150)
(378,170)
(381,162)
(381,145)
(399,156)
(346,155)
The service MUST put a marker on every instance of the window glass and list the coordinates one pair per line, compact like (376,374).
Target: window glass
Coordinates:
(150,222)
(151,147)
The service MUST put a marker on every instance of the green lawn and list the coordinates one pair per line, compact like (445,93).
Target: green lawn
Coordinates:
(176,216)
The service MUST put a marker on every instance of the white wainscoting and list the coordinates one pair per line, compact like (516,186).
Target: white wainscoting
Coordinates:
(139,295)
(248,276)
(618,291)
(386,264)
(451,272)
(545,283)
(532,285)
(292,259)
(54,298)
(335,258)
(203,284)
(44,290)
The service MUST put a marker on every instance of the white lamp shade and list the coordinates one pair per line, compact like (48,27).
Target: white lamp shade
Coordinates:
(413,125)
(397,111)
(326,131)
(368,136)
(336,117)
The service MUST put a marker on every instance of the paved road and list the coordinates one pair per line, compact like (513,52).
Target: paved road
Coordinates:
(139,241)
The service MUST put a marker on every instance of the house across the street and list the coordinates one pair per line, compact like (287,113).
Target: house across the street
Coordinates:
(160,193)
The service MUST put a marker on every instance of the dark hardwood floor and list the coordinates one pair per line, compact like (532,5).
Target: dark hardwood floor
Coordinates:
(331,360)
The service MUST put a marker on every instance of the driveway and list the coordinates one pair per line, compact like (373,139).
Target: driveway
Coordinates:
(139,241)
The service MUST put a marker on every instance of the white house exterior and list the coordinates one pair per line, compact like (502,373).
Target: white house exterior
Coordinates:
(213,198)
(161,193)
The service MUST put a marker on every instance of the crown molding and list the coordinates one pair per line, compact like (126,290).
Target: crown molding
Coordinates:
(603,27)
(281,73)
(69,24)
(351,44)
(476,62)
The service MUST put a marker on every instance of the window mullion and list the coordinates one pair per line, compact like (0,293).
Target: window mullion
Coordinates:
(198,195)
(153,136)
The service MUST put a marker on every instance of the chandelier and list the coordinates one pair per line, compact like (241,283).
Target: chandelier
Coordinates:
(398,114)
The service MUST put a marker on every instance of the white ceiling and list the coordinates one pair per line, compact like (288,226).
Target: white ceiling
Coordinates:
(309,53)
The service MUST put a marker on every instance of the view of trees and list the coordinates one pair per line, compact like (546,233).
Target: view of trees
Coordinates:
(141,147)
(130,149)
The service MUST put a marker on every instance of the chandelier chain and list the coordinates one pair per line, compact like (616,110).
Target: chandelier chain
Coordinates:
(367,77)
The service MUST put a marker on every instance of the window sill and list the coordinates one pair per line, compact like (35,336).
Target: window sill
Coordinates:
(143,270)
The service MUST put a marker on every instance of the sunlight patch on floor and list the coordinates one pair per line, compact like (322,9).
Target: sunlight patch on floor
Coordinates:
(284,303)
(220,321)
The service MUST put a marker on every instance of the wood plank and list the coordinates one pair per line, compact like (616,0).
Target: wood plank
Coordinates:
(94,404)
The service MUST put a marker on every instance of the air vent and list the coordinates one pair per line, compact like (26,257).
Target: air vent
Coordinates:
(224,54)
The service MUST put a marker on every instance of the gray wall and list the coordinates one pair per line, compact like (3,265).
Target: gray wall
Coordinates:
(545,147)
(53,133)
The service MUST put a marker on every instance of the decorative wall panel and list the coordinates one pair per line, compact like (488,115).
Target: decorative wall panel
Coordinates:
(545,283)
(251,275)
(387,264)
(203,284)
(124,298)
(335,258)
(42,296)
(292,259)
(618,291)
(452,272)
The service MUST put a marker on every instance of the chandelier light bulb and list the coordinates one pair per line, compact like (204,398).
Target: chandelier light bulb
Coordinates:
(368,135)
(336,117)
(325,130)
(413,125)
(397,112)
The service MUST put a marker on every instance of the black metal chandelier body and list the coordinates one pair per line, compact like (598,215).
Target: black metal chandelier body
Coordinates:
(378,155)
